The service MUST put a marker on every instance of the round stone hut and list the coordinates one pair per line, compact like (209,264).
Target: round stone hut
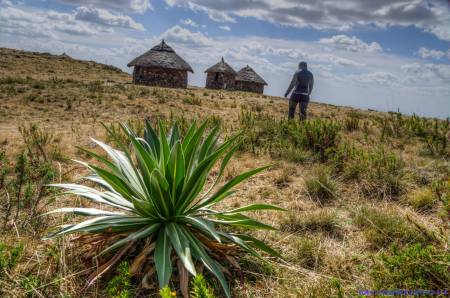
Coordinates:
(160,66)
(220,76)
(248,80)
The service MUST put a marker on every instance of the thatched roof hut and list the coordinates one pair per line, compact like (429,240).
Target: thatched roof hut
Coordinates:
(248,80)
(220,76)
(161,66)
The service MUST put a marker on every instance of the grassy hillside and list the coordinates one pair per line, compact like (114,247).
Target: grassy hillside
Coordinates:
(367,193)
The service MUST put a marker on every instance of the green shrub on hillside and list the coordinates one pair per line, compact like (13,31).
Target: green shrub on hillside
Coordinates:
(421,199)
(9,256)
(384,175)
(321,186)
(200,288)
(23,191)
(322,220)
(308,253)
(384,227)
(352,121)
(412,267)
(380,174)
(120,285)
(262,133)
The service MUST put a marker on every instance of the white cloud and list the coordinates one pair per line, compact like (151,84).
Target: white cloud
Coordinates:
(105,18)
(183,36)
(117,5)
(225,28)
(23,21)
(429,15)
(379,78)
(431,72)
(188,22)
(352,44)
(427,53)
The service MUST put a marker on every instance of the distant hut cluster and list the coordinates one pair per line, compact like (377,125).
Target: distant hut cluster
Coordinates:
(161,66)
(223,76)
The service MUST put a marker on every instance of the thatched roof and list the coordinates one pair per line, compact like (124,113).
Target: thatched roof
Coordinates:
(221,67)
(161,56)
(247,74)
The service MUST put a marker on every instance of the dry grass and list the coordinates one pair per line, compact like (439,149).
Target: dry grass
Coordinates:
(327,248)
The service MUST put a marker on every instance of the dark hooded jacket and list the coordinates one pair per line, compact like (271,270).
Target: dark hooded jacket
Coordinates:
(302,82)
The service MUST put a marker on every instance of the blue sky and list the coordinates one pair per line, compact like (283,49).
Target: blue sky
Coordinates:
(384,54)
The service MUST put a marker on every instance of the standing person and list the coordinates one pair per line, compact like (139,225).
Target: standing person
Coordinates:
(302,83)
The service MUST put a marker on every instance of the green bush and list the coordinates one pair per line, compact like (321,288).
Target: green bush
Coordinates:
(352,121)
(412,267)
(120,285)
(385,176)
(308,253)
(321,185)
(193,100)
(320,136)
(9,256)
(322,220)
(262,133)
(29,284)
(200,288)
(23,191)
(383,227)
(421,199)
(380,174)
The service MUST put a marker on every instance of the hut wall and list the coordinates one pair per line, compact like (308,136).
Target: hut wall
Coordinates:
(217,80)
(249,86)
(161,77)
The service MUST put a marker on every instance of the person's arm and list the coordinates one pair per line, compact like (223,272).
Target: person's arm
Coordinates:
(291,86)
(311,84)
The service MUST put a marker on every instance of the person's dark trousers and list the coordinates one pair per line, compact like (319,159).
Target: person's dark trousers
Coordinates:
(302,100)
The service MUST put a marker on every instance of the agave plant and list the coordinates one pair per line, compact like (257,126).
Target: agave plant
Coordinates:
(159,184)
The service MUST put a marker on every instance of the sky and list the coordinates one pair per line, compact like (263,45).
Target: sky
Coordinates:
(388,55)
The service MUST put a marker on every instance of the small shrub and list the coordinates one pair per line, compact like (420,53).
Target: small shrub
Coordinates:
(322,220)
(386,177)
(421,199)
(321,185)
(321,136)
(263,133)
(352,121)
(200,288)
(437,141)
(284,177)
(252,264)
(412,267)
(192,100)
(383,227)
(349,161)
(25,179)
(308,253)
(9,256)
(120,285)
(29,284)
(321,288)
